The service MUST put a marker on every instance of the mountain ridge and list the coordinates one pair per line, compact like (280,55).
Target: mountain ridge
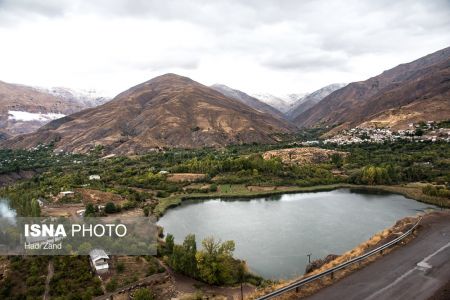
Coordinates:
(167,111)
(426,78)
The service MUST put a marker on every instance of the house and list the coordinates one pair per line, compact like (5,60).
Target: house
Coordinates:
(163,172)
(67,193)
(99,260)
(94,177)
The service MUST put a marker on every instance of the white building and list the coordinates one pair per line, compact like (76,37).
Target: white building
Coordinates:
(66,193)
(94,177)
(99,260)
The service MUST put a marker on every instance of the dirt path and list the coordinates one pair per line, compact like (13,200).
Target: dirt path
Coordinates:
(140,283)
(50,273)
(188,285)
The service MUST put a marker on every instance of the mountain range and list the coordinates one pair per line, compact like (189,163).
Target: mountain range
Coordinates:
(282,103)
(309,100)
(175,111)
(23,109)
(411,92)
(166,111)
(248,100)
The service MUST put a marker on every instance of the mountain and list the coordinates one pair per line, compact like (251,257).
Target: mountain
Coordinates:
(411,92)
(247,99)
(167,111)
(274,101)
(282,103)
(306,102)
(23,109)
(87,98)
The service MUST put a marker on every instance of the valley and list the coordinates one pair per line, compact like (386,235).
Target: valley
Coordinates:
(157,183)
(243,187)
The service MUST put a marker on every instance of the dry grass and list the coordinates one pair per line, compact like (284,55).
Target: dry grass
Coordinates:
(99,197)
(134,269)
(183,177)
(377,240)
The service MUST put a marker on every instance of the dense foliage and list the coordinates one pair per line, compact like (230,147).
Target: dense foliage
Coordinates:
(213,264)
(73,279)
(27,278)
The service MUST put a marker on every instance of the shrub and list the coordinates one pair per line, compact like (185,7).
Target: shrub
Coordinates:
(111,285)
(110,208)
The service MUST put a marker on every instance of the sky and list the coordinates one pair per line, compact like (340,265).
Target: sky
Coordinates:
(257,46)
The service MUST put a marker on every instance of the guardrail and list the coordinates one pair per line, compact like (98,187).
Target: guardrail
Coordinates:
(299,283)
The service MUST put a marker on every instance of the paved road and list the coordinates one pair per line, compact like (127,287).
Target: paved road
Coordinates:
(414,271)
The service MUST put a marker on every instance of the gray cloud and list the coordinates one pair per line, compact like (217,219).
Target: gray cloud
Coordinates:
(291,36)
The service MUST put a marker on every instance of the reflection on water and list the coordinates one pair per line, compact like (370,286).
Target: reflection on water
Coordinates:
(274,234)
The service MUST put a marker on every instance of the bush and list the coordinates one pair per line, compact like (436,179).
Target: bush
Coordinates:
(162,194)
(143,294)
(120,267)
(110,208)
(111,285)
(213,187)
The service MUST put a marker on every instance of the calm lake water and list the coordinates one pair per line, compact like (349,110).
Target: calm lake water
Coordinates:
(275,234)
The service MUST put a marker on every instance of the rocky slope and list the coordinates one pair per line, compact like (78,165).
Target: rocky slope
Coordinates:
(167,111)
(416,91)
(274,101)
(248,100)
(308,101)
(24,109)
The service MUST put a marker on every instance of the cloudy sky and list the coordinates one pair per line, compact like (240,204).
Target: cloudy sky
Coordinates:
(275,46)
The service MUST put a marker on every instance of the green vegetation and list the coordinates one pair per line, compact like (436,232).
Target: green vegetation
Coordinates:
(27,278)
(213,264)
(419,170)
(436,191)
(143,294)
(73,279)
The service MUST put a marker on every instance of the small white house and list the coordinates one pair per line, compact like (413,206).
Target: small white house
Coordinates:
(163,172)
(99,260)
(67,193)
(94,177)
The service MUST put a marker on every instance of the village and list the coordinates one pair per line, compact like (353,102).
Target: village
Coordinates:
(420,132)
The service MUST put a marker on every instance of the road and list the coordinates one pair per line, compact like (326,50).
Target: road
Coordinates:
(414,271)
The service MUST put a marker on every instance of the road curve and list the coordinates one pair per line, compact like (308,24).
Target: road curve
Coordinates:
(414,271)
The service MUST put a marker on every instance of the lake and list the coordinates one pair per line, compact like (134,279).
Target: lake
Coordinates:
(274,234)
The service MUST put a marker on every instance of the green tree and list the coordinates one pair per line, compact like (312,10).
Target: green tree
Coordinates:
(110,208)
(90,210)
(146,211)
(35,209)
(215,262)
(190,250)
(170,242)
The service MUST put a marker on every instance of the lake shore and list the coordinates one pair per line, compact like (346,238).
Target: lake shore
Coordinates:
(412,191)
